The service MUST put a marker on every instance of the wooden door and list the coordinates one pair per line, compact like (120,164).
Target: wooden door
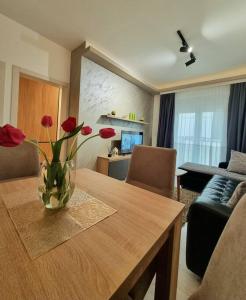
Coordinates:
(36,99)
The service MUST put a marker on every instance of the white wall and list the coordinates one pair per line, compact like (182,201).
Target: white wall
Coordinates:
(156,110)
(27,49)
(101,91)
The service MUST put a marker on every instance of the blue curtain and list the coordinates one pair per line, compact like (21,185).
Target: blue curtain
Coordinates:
(236,126)
(165,135)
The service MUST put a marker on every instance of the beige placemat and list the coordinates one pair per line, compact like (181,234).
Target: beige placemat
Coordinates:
(41,230)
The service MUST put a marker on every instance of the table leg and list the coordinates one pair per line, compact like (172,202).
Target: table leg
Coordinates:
(168,264)
(178,188)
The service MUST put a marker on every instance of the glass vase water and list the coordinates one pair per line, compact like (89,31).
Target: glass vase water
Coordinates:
(56,183)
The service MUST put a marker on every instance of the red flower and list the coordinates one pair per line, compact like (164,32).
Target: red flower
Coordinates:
(106,133)
(86,130)
(47,121)
(11,136)
(69,125)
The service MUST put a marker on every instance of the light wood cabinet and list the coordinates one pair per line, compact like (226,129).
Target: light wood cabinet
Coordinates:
(115,166)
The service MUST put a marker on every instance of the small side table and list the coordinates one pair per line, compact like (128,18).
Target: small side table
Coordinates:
(179,173)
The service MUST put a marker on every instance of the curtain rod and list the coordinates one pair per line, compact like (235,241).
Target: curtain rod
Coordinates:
(203,86)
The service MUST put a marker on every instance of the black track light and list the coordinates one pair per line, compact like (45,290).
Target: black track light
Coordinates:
(186,48)
(184,43)
(191,61)
(183,49)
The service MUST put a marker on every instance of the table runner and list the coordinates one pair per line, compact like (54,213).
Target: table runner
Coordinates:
(42,230)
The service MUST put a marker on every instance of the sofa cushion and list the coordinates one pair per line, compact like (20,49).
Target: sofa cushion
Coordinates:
(237,163)
(237,194)
(219,189)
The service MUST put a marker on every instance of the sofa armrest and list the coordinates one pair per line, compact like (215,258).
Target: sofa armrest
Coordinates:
(194,181)
(206,221)
(223,165)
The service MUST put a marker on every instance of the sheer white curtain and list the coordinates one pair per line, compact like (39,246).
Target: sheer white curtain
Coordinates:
(200,127)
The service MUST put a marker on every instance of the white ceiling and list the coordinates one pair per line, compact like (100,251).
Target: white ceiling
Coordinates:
(141,34)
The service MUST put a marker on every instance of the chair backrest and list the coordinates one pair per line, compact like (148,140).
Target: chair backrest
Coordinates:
(225,277)
(20,161)
(153,169)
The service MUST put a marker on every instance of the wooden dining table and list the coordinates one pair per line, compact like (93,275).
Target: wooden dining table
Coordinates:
(114,259)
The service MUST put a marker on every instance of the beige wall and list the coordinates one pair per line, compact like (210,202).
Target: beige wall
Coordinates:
(29,50)
(101,91)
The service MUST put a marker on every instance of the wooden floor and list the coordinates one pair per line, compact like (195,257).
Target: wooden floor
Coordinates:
(188,282)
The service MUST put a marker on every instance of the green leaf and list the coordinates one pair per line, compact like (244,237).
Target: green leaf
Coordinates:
(73,133)
(58,144)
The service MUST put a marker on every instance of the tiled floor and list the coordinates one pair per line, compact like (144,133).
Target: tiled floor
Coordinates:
(187,281)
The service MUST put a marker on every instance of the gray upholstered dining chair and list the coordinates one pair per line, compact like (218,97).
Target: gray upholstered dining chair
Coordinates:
(153,169)
(225,277)
(20,161)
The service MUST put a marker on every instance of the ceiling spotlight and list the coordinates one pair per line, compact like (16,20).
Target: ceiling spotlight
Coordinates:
(191,61)
(190,49)
(186,48)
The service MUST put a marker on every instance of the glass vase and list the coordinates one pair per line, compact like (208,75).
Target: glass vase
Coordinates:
(56,183)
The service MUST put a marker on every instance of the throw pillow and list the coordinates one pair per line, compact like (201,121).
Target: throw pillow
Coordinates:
(237,194)
(237,163)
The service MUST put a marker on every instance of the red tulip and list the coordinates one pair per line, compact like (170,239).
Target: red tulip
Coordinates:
(86,130)
(47,121)
(11,136)
(69,125)
(106,133)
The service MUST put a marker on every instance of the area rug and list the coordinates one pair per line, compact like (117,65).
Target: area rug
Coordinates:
(187,197)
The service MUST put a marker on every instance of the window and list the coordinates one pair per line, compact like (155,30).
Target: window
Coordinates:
(201,125)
